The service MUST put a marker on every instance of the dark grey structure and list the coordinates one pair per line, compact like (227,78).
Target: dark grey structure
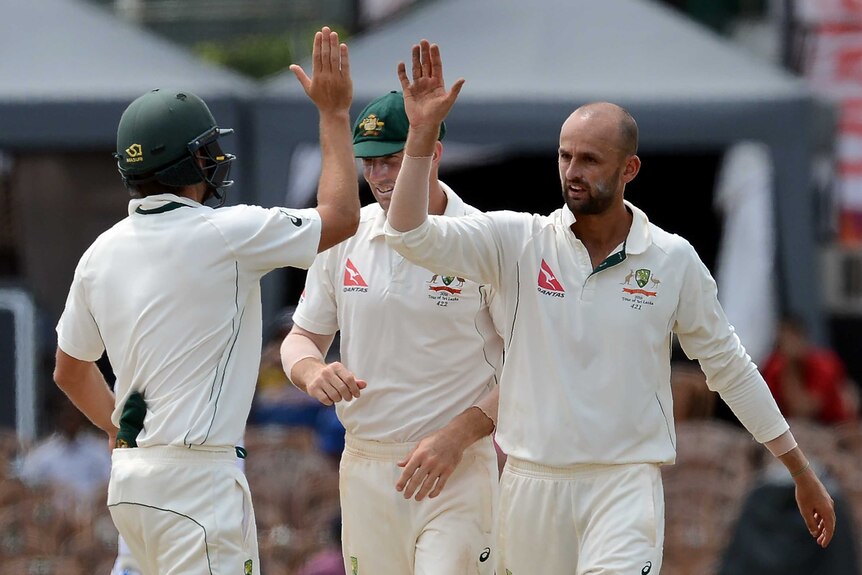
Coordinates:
(70,68)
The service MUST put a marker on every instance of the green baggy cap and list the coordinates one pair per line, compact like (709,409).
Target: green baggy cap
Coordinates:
(381,128)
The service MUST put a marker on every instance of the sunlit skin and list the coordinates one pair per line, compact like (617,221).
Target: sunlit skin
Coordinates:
(594,166)
(380,173)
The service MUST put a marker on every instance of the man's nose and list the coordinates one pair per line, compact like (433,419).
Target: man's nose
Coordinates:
(377,170)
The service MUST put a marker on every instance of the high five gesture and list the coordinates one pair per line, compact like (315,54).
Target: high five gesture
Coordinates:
(426,100)
(330,86)
(331,89)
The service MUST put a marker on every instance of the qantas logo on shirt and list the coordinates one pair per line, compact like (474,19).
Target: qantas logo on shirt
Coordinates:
(548,282)
(353,279)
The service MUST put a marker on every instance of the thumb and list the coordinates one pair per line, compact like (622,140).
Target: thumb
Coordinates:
(456,89)
(361,383)
(301,76)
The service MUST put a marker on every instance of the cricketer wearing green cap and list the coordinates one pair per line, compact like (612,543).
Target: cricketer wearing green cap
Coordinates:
(432,415)
(381,128)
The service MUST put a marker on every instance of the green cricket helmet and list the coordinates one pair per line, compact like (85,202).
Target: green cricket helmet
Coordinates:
(160,137)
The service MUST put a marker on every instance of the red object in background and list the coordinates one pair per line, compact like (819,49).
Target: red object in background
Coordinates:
(824,377)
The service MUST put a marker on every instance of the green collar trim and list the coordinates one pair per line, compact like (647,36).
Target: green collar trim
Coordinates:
(612,260)
(170,206)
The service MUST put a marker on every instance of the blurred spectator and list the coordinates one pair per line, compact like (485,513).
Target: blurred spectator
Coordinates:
(330,434)
(692,399)
(771,539)
(327,561)
(807,381)
(277,401)
(74,460)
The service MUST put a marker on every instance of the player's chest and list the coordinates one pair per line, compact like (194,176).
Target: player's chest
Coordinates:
(624,288)
(381,278)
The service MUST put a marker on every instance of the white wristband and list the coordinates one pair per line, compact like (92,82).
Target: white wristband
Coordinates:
(782,444)
(294,349)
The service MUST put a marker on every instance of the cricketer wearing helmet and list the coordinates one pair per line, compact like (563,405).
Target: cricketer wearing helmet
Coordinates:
(172,294)
(171,139)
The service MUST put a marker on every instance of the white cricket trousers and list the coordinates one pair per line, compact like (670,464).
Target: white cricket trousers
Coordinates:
(184,511)
(579,520)
(385,534)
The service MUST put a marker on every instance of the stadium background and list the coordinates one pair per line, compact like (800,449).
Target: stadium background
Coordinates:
(70,66)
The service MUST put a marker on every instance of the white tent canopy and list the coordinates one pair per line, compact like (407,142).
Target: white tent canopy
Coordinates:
(69,68)
(565,50)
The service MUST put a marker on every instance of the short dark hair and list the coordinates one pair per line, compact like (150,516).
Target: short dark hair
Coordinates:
(629,133)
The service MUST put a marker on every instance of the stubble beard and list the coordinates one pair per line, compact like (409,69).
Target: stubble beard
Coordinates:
(599,199)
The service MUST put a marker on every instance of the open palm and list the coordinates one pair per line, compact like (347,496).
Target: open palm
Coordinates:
(330,86)
(426,100)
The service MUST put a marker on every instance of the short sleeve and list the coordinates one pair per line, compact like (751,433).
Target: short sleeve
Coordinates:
(77,332)
(264,239)
(317,310)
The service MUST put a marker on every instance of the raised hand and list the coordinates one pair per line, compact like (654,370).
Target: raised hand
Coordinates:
(426,100)
(330,86)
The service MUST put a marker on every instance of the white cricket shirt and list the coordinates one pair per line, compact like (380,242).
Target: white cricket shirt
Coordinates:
(172,292)
(586,377)
(423,341)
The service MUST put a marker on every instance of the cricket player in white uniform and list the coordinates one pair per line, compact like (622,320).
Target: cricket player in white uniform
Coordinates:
(172,293)
(593,294)
(418,424)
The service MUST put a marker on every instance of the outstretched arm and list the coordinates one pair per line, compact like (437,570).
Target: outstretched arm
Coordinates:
(331,90)
(428,467)
(426,102)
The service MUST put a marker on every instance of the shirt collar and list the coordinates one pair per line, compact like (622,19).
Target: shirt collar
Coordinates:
(639,237)
(455,207)
(158,202)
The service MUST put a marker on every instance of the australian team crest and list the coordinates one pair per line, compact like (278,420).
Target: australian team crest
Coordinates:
(639,295)
(371,125)
(642,277)
(442,289)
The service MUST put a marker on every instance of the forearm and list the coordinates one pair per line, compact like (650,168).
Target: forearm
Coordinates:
(489,404)
(338,189)
(475,422)
(301,358)
(409,206)
(89,392)
(781,444)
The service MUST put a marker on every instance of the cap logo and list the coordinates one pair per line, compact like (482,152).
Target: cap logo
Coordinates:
(371,126)
(134,153)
